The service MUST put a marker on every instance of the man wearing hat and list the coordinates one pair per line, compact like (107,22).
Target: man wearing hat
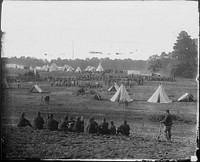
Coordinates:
(23,122)
(38,122)
(167,121)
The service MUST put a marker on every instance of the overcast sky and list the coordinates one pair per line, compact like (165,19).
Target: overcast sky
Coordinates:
(36,28)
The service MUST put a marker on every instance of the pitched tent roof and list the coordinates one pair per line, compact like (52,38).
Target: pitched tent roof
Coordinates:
(100,68)
(159,96)
(97,97)
(186,98)
(121,95)
(87,68)
(45,68)
(65,67)
(78,70)
(36,89)
(53,67)
(114,87)
(31,68)
(91,68)
(70,69)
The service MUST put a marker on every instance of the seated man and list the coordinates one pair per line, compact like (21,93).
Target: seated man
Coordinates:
(92,126)
(71,123)
(112,129)
(23,122)
(77,125)
(38,122)
(82,124)
(52,124)
(124,129)
(64,124)
(103,127)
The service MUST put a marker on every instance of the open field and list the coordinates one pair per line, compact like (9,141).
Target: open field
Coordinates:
(143,118)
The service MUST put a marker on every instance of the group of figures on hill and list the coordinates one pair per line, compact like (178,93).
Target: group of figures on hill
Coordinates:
(75,125)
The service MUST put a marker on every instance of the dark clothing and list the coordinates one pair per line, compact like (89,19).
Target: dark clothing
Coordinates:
(64,125)
(92,127)
(124,129)
(71,125)
(167,120)
(103,128)
(112,130)
(23,122)
(77,126)
(82,126)
(52,124)
(38,122)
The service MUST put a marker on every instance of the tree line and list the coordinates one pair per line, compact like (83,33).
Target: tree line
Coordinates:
(181,62)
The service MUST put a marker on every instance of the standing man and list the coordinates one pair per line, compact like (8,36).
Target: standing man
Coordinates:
(167,121)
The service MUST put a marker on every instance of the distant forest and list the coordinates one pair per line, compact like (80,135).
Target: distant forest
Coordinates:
(107,63)
(181,62)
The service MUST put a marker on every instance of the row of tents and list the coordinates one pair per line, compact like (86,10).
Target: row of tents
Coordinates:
(121,94)
(159,96)
(68,68)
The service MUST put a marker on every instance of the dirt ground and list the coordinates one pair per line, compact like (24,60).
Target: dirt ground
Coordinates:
(143,118)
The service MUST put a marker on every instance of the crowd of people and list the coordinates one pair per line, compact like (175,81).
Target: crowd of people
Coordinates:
(75,125)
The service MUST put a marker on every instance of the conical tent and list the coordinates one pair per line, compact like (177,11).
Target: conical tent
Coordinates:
(87,68)
(186,98)
(121,95)
(45,68)
(31,68)
(36,89)
(53,67)
(70,69)
(65,67)
(91,69)
(78,70)
(100,68)
(159,96)
(114,87)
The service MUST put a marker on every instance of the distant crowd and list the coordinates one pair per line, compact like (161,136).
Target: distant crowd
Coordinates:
(75,125)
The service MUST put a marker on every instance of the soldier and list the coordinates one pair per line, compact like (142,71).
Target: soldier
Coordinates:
(52,124)
(64,124)
(103,127)
(112,129)
(92,126)
(167,121)
(124,129)
(23,122)
(38,122)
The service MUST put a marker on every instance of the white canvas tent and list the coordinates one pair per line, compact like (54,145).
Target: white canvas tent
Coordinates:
(87,68)
(70,69)
(100,68)
(45,68)
(36,89)
(53,67)
(31,68)
(78,70)
(91,69)
(159,96)
(186,98)
(65,67)
(114,87)
(121,95)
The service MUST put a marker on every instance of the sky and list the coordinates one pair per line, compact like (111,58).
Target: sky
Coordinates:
(72,29)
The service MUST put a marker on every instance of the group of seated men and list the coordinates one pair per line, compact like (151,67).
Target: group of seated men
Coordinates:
(76,125)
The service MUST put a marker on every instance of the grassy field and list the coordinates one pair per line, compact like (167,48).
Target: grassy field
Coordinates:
(142,116)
